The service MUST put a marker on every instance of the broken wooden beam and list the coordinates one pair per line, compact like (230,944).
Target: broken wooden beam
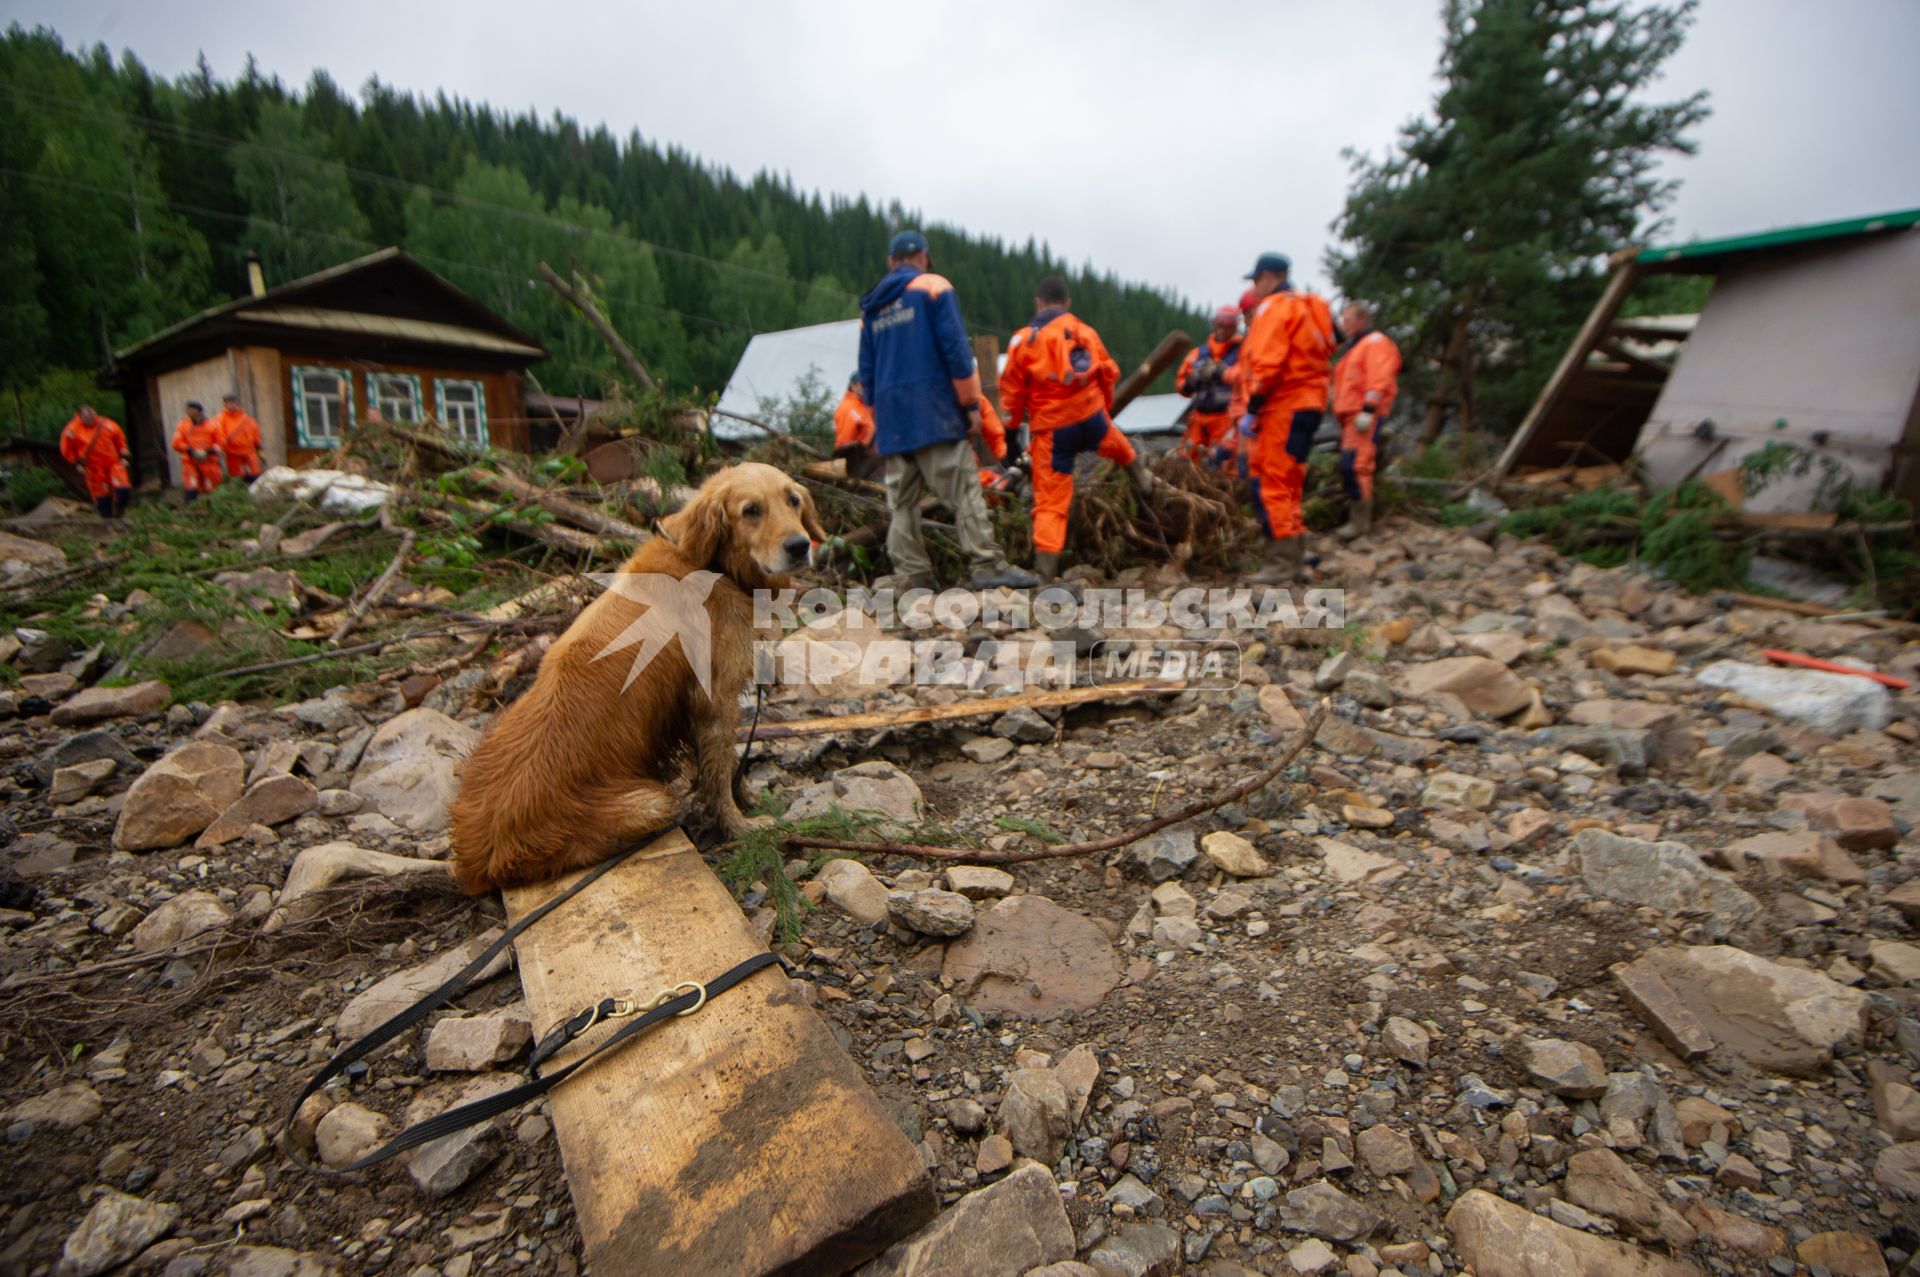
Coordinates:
(735,1141)
(561,507)
(580,296)
(1164,356)
(916,714)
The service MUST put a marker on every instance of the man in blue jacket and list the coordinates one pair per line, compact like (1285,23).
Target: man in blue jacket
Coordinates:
(917,375)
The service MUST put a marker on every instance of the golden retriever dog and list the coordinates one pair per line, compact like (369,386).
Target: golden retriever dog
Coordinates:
(584,760)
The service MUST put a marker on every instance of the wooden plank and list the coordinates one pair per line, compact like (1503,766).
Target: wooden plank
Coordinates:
(1172,348)
(961,709)
(737,1141)
(1804,521)
(1625,275)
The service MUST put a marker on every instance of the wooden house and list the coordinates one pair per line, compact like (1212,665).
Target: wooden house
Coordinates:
(313,357)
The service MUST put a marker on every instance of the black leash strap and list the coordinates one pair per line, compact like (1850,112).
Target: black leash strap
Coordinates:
(683,999)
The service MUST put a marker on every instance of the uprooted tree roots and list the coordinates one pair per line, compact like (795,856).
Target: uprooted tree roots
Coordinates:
(51,1008)
(1194,519)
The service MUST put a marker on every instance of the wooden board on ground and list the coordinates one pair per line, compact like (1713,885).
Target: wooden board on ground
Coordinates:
(976,708)
(737,1141)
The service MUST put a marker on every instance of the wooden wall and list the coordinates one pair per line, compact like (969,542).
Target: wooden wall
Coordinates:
(506,400)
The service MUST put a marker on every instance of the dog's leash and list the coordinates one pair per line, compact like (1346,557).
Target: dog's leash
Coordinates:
(684,998)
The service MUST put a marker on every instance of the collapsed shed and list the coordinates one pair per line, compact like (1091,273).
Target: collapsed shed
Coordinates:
(1810,336)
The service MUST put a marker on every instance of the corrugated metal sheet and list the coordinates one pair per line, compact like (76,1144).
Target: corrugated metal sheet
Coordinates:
(1781,238)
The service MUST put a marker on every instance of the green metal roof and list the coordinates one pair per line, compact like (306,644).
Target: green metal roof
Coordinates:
(1780,238)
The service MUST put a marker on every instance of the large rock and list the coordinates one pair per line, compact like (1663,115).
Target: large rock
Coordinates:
(276,1261)
(322,866)
(1003,1230)
(403,988)
(1234,854)
(1483,685)
(1500,1239)
(408,769)
(62,1109)
(182,918)
(86,747)
(97,704)
(1599,1181)
(117,1228)
(1164,854)
(1833,703)
(440,1167)
(19,554)
(1036,1114)
(272,801)
(874,786)
(931,911)
(180,795)
(1661,875)
(348,1133)
(474,1043)
(1324,1211)
(1143,1249)
(1571,1069)
(1027,956)
(1772,1015)
(851,887)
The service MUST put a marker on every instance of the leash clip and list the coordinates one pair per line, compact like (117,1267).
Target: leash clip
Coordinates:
(667,995)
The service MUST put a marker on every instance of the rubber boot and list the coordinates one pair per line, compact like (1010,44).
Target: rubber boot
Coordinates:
(1046,565)
(1005,576)
(1286,561)
(1359,520)
(1143,478)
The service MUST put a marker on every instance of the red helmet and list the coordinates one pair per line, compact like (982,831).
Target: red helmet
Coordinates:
(1248,300)
(1226,315)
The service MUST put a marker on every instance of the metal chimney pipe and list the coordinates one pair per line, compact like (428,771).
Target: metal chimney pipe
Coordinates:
(256,278)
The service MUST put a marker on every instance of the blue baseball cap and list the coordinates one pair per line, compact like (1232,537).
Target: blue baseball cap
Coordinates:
(1275,263)
(906,243)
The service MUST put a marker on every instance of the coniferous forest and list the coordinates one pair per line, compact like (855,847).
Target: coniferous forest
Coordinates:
(130,202)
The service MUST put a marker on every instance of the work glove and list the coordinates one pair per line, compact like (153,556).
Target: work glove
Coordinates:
(1255,403)
(1246,426)
(198,454)
(1364,423)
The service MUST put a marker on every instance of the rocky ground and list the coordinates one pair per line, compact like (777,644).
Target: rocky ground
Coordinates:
(1579,944)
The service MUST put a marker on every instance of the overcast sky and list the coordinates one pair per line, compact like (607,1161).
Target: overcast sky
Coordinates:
(1166,143)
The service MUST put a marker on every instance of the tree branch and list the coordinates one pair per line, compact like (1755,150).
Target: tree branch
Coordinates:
(978,856)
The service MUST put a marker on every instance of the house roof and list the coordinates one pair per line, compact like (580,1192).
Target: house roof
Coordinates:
(1705,256)
(332,301)
(773,364)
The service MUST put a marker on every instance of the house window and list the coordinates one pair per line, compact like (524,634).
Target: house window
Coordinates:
(395,394)
(322,406)
(463,411)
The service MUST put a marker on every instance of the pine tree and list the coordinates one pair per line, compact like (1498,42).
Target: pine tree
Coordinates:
(1480,236)
(302,215)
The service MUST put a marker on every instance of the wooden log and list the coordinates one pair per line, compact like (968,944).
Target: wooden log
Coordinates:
(1169,352)
(736,1141)
(916,714)
(572,511)
(1625,274)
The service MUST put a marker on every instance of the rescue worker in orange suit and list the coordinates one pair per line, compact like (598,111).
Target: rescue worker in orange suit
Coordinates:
(239,439)
(853,432)
(1364,383)
(198,441)
(1208,376)
(97,445)
(1285,366)
(1059,378)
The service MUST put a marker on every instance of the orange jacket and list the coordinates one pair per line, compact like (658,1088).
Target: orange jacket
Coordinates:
(79,446)
(239,433)
(1225,353)
(1286,358)
(1058,373)
(1367,376)
(852,423)
(204,435)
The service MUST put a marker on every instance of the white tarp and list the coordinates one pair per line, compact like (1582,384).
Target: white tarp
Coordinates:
(335,490)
